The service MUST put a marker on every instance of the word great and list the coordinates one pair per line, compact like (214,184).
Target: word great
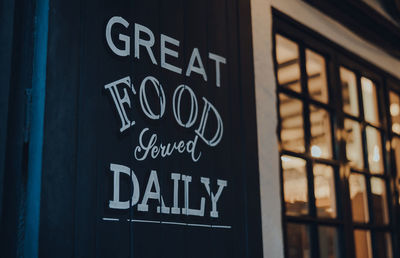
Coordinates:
(195,63)
(149,194)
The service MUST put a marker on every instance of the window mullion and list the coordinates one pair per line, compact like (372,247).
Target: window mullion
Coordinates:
(313,229)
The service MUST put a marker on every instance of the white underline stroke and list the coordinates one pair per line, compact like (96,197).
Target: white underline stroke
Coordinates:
(110,219)
(171,223)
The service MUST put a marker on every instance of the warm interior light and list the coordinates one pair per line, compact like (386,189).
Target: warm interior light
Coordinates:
(394,109)
(377,186)
(366,85)
(396,128)
(316,151)
(376,156)
(322,192)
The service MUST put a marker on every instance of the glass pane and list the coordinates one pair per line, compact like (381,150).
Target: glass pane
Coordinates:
(374,147)
(370,100)
(395,111)
(295,185)
(328,242)
(298,241)
(396,148)
(383,245)
(362,239)
(324,190)
(359,200)
(292,132)
(353,138)
(321,139)
(379,200)
(316,73)
(349,91)
(287,57)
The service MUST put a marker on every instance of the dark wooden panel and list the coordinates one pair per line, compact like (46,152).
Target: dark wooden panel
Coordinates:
(15,160)
(84,136)
(249,128)
(6,40)
(60,137)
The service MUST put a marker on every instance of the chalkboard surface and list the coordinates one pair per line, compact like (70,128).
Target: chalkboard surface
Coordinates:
(159,99)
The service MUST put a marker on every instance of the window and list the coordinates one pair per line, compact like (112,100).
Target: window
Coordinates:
(394,129)
(339,136)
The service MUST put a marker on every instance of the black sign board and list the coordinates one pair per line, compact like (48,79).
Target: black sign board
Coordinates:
(164,135)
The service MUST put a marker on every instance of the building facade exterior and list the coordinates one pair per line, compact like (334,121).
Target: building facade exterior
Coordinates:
(316,128)
(261,128)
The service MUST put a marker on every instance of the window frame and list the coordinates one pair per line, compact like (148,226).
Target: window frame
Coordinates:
(336,56)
